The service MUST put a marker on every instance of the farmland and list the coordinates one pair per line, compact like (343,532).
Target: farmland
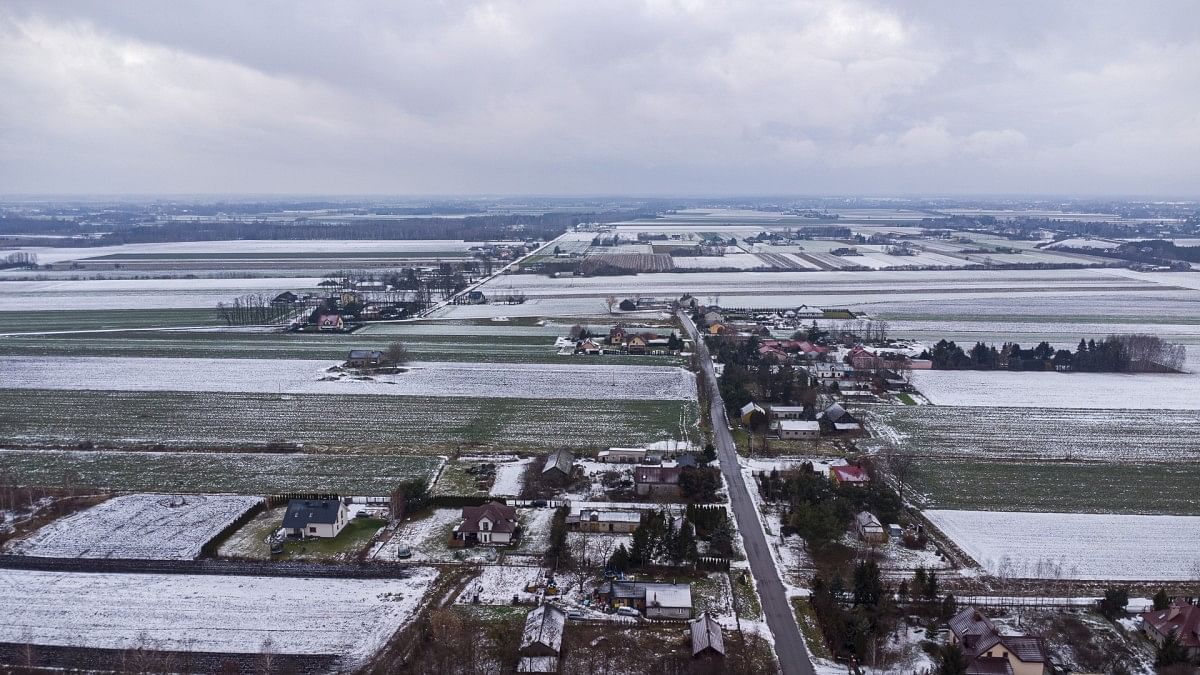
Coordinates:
(104,320)
(1093,487)
(202,472)
(144,526)
(1076,546)
(423,424)
(1085,391)
(348,618)
(309,377)
(939,432)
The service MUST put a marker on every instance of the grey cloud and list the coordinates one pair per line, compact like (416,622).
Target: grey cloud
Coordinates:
(636,97)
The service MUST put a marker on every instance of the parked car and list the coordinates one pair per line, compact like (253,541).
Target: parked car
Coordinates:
(575,615)
(403,553)
(628,611)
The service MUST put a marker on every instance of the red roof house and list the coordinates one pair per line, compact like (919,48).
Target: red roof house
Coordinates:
(849,475)
(1182,619)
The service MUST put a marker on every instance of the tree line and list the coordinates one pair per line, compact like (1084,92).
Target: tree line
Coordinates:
(1133,353)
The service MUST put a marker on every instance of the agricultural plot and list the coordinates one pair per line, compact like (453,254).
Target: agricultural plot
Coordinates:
(419,424)
(140,526)
(54,320)
(298,376)
(347,618)
(105,294)
(1076,546)
(1127,436)
(201,472)
(1087,391)
(1052,486)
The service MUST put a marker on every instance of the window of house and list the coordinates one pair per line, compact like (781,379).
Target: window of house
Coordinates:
(312,528)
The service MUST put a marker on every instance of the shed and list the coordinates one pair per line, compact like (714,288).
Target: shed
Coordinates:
(707,638)
(559,464)
(543,632)
(869,528)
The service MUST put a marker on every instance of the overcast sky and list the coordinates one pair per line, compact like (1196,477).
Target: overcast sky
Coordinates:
(600,97)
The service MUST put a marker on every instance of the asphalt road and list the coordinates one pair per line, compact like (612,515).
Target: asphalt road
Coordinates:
(789,646)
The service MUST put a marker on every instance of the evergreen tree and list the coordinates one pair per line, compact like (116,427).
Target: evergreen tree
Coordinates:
(1114,602)
(1161,599)
(949,607)
(951,660)
(868,589)
(931,586)
(619,560)
(685,544)
(1170,652)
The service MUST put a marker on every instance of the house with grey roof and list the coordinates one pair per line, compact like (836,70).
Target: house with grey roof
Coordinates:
(655,600)
(315,518)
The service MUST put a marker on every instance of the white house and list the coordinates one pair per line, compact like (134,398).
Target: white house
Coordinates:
(798,429)
(492,523)
(315,518)
(869,528)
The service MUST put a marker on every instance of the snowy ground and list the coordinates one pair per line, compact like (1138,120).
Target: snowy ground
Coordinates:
(55,254)
(350,618)
(93,294)
(303,376)
(143,526)
(1058,390)
(510,477)
(1076,545)
(497,584)
(424,536)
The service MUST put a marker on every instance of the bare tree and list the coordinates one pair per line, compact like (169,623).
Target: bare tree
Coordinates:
(902,466)
(610,302)
(396,354)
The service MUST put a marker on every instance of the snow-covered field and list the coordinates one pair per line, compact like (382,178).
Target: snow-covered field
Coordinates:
(349,618)
(301,376)
(1058,390)
(142,526)
(1076,545)
(94,294)
(56,254)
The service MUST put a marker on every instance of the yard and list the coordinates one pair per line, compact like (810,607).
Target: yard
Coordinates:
(250,540)
(140,526)
(351,541)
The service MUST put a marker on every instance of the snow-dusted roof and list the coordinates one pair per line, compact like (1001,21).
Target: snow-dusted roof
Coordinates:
(611,516)
(866,519)
(668,595)
(562,460)
(706,634)
(787,408)
(544,626)
(799,425)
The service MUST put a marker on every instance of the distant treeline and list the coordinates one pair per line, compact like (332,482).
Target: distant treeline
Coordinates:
(470,228)
(1150,252)
(1113,354)
(1027,227)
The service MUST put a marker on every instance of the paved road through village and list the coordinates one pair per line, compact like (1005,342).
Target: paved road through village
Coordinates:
(789,646)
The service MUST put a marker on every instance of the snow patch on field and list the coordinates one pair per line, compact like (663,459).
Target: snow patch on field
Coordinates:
(1076,545)
(143,526)
(510,478)
(349,618)
(1058,390)
(302,376)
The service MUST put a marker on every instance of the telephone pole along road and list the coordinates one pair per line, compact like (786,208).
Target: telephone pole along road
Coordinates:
(789,646)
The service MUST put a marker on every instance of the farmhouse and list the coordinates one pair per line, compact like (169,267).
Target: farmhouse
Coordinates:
(492,523)
(835,419)
(541,641)
(655,600)
(323,518)
(559,465)
(798,430)
(1181,619)
(330,322)
(364,358)
(987,651)
(658,481)
(868,528)
(622,455)
(594,520)
(285,298)
(707,639)
(849,474)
